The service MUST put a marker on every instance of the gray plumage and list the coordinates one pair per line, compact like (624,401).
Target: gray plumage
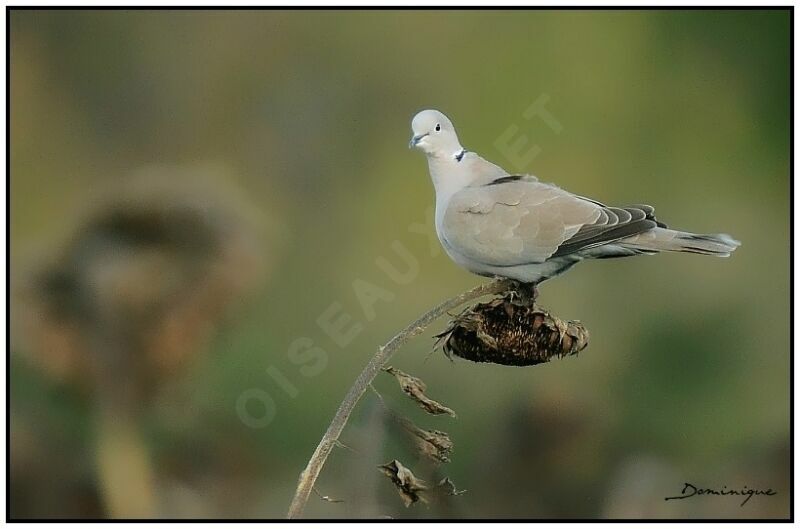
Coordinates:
(497,224)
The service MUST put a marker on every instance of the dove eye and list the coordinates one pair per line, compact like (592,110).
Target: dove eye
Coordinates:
(438,127)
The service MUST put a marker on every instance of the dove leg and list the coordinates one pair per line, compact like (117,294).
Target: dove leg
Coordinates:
(526,293)
(531,292)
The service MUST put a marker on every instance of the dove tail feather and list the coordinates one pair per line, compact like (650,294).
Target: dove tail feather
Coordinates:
(666,240)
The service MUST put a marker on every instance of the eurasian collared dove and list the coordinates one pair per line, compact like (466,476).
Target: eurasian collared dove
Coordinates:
(493,223)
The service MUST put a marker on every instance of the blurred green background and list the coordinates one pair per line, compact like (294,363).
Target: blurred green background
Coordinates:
(304,117)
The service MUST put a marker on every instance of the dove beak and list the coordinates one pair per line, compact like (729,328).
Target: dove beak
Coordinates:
(415,140)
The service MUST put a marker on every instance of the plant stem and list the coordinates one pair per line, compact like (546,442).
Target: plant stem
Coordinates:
(309,476)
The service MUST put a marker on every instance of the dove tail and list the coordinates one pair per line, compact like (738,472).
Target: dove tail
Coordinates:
(666,240)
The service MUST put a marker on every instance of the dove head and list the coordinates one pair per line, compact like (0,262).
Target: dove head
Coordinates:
(434,134)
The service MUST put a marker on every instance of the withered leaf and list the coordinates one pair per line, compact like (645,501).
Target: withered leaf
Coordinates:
(415,388)
(447,486)
(434,444)
(408,485)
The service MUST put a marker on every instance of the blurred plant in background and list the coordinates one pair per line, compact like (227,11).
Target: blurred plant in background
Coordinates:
(303,117)
(137,291)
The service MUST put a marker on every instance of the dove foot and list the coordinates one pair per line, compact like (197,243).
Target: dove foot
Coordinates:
(524,293)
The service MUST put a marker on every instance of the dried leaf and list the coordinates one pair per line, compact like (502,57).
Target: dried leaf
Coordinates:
(435,444)
(415,388)
(408,486)
(447,486)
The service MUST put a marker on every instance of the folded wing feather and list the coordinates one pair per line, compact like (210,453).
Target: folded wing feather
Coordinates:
(522,221)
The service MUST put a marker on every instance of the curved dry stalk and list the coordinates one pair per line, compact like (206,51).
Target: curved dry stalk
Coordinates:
(309,476)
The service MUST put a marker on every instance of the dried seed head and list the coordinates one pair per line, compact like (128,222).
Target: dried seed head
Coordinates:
(506,332)
(149,269)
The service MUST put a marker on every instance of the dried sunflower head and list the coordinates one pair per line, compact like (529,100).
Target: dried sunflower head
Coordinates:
(505,331)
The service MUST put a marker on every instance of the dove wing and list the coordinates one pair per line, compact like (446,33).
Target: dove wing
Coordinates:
(515,221)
